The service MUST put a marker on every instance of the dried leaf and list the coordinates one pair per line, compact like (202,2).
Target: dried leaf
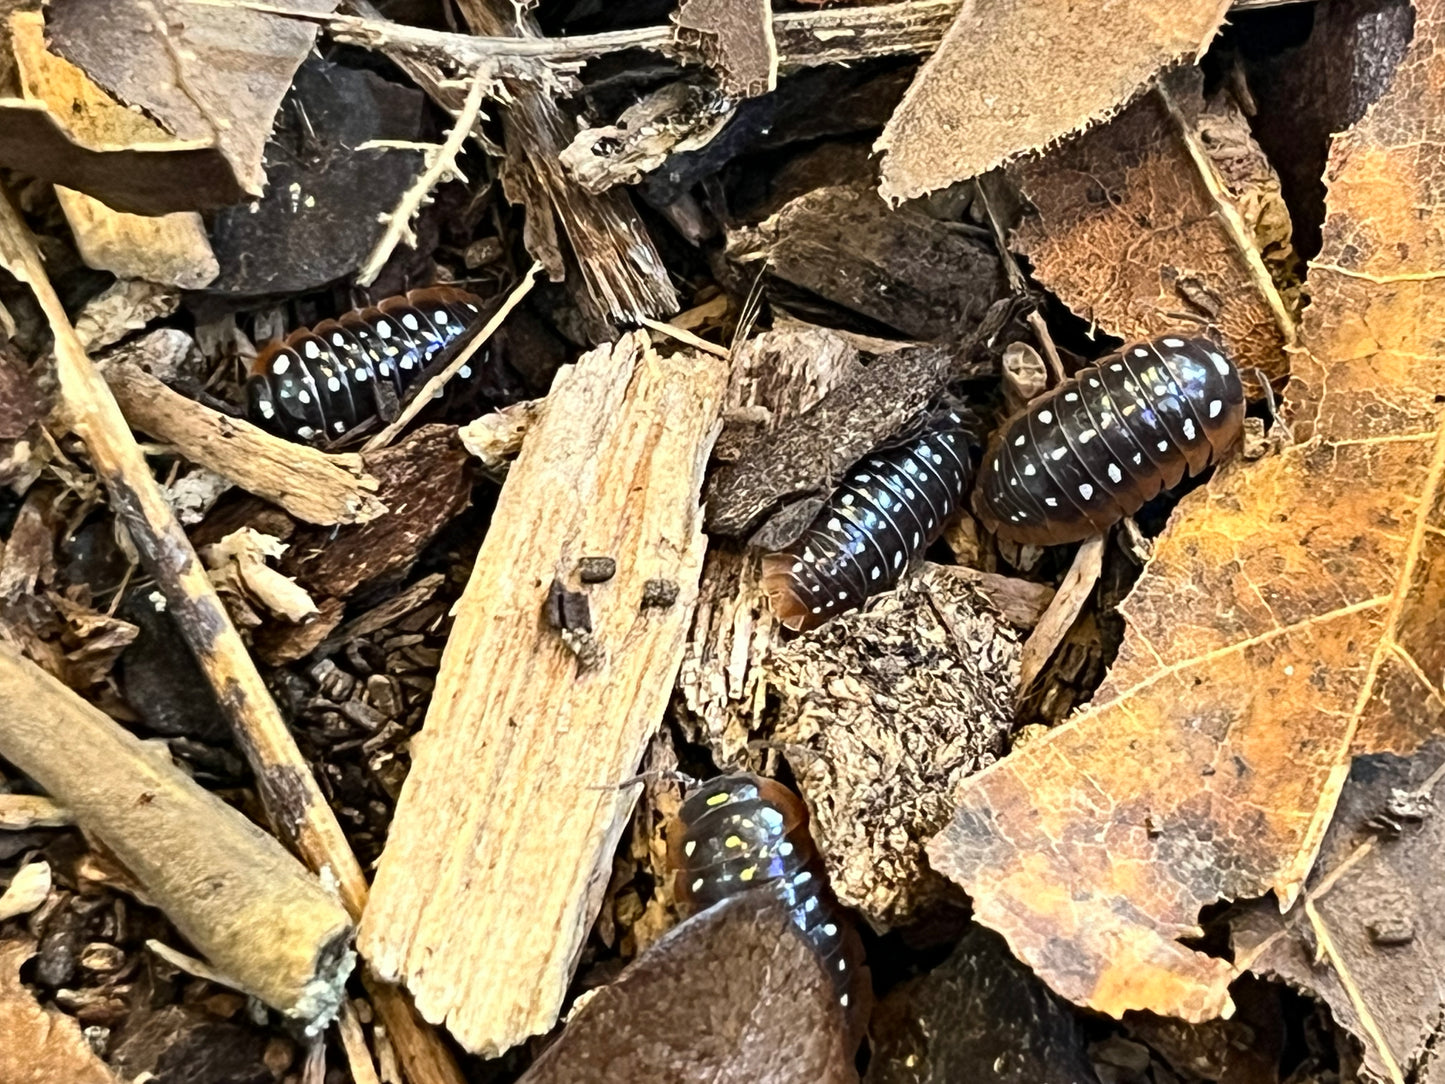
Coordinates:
(1132,232)
(41,1045)
(883,714)
(731,996)
(211,75)
(1290,615)
(1016,75)
(68,130)
(1381,901)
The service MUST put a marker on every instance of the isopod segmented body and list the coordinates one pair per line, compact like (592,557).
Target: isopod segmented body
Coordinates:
(1094,449)
(741,831)
(321,383)
(891,507)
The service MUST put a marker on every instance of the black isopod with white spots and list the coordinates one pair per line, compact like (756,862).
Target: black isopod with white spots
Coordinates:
(323,383)
(1094,449)
(891,507)
(740,832)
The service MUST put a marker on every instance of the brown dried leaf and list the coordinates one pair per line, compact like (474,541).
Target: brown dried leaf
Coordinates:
(210,75)
(1016,75)
(1290,616)
(40,1045)
(731,996)
(1133,234)
(1381,903)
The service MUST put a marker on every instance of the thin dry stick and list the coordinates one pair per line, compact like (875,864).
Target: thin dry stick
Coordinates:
(682,335)
(443,163)
(1357,998)
(363,1071)
(294,803)
(1019,284)
(433,387)
(1229,215)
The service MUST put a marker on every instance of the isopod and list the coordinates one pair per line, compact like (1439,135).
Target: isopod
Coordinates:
(1093,450)
(891,507)
(742,831)
(322,383)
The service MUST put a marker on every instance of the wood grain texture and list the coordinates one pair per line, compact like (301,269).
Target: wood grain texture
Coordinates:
(503,838)
(312,485)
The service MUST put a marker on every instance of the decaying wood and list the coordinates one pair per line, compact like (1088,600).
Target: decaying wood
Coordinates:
(1073,593)
(1197,267)
(232,890)
(312,485)
(673,119)
(735,39)
(294,803)
(1022,602)
(1288,619)
(505,831)
(980,101)
(497,437)
(615,254)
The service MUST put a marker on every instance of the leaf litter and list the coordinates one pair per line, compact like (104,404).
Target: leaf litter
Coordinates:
(1283,625)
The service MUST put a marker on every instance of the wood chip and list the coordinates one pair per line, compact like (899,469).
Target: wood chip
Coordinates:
(614,465)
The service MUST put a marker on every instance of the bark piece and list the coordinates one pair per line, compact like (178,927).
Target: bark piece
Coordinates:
(41,1044)
(225,70)
(70,131)
(171,249)
(1015,76)
(882,715)
(731,996)
(623,272)
(797,465)
(1375,909)
(1133,233)
(926,278)
(425,481)
(980,1015)
(675,119)
(253,910)
(735,38)
(1290,616)
(484,894)
(310,484)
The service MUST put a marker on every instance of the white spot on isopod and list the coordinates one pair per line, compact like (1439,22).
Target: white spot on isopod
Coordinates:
(1115,474)
(1215,406)
(1189,428)
(1174,344)
(1085,490)
(1045,417)
(1086,436)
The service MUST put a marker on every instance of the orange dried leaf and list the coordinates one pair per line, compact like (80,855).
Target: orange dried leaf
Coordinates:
(1134,229)
(1291,616)
(40,1045)
(1012,76)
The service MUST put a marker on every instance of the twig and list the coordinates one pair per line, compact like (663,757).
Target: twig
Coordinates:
(433,386)
(234,892)
(311,485)
(398,225)
(1063,611)
(682,335)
